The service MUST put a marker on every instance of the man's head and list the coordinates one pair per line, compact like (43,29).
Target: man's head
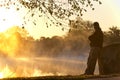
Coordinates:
(96,25)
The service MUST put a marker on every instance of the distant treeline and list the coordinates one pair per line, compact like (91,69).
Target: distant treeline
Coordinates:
(15,41)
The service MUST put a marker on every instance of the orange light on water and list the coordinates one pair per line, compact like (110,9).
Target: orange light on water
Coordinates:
(1,75)
(6,72)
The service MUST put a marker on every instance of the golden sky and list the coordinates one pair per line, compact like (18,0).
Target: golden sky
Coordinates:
(106,14)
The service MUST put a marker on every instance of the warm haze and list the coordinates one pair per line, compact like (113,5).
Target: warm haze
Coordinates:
(40,55)
(106,14)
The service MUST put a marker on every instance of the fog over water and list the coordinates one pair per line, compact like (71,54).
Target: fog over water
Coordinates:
(22,56)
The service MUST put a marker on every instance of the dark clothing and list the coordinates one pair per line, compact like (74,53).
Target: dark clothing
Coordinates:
(96,42)
(92,59)
(96,39)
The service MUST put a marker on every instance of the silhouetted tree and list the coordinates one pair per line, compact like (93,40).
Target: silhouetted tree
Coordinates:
(54,10)
(80,24)
(112,36)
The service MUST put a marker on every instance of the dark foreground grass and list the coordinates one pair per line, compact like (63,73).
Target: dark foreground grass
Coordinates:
(78,77)
(47,78)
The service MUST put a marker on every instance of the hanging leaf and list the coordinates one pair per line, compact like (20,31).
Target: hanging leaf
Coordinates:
(47,25)
(34,23)
(17,9)
(62,29)
(93,8)
(23,27)
(53,10)
(100,2)
(32,14)
(60,24)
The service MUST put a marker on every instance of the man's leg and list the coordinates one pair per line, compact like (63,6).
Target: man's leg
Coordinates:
(91,63)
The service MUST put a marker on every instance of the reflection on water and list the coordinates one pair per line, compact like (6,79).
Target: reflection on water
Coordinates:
(29,67)
(55,65)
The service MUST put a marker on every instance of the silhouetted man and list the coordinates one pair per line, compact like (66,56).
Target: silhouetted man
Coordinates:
(96,42)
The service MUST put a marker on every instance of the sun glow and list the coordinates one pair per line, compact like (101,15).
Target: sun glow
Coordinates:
(6,72)
(24,71)
(1,75)
(9,42)
(9,17)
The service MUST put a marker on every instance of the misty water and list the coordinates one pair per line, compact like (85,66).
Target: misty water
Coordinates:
(44,66)
(23,56)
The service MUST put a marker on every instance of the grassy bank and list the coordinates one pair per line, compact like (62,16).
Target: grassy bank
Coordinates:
(78,77)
